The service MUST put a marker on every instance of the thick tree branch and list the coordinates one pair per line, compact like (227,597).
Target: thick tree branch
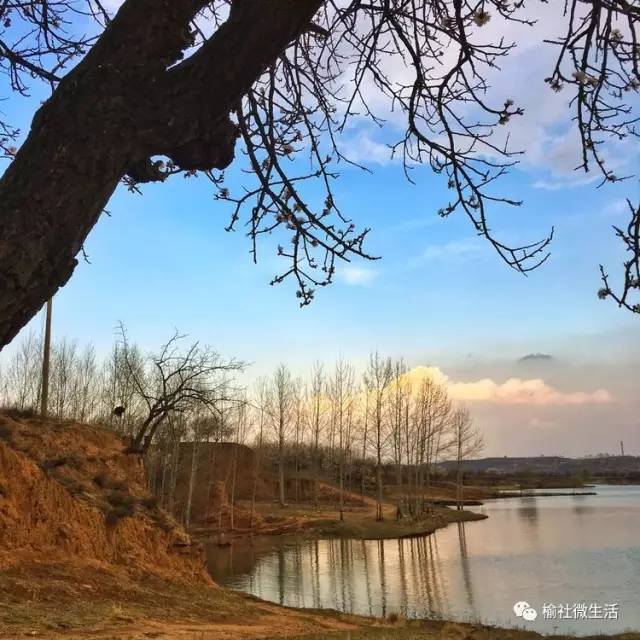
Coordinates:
(117,108)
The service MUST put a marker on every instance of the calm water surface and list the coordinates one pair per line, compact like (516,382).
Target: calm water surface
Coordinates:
(553,550)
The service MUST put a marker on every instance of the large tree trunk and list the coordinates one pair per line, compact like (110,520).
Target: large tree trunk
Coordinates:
(117,108)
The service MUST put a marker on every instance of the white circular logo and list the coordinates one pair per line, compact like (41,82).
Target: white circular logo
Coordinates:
(520,607)
(530,614)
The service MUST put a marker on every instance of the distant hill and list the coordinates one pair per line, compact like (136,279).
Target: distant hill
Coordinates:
(556,465)
(536,357)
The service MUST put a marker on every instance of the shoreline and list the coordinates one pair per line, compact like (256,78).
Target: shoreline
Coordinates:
(540,494)
(74,574)
(357,525)
(322,522)
(93,602)
(391,529)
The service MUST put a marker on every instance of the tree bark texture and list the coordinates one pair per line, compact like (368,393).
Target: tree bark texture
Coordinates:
(129,99)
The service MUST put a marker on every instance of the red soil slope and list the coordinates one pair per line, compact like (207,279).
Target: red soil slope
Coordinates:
(70,493)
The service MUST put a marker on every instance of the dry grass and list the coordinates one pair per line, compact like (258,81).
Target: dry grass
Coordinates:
(96,601)
(359,522)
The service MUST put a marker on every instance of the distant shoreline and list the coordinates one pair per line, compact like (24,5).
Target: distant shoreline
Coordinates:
(539,494)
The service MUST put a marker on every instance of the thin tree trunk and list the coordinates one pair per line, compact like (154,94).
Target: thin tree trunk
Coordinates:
(281,495)
(281,486)
(254,491)
(175,463)
(364,444)
(232,502)
(257,472)
(209,480)
(192,480)
(459,492)
(379,515)
(296,467)
(341,471)
(316,478)
(163,482)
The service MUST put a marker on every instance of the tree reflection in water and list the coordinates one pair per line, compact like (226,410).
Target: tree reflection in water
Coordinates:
(539,549)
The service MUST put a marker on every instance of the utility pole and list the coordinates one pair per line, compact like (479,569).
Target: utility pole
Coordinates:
(621,448)
(44,396)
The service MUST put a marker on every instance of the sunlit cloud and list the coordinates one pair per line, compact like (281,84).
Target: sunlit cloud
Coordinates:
(513,391)
(518,391)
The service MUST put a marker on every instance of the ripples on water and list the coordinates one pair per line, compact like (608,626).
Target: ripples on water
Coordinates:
(568,549)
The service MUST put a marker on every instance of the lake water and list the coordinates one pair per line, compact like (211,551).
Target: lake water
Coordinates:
(560,550)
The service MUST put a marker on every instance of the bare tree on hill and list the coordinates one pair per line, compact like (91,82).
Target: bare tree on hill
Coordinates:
(118,389)
(178,381)
(22,374)
(184,396)
(170,86)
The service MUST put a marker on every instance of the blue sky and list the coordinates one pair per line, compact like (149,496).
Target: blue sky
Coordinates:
(163,260)
(438,296)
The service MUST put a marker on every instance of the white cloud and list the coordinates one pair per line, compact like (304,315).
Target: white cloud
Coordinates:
(357,276)
(455,251)
(362,147)
(556,184)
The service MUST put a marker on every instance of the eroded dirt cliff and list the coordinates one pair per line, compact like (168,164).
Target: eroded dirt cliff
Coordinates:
(71,493)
